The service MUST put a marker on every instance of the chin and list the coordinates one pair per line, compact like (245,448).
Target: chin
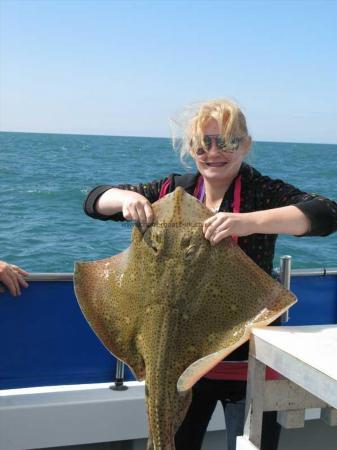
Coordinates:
(218,174)
(212,174)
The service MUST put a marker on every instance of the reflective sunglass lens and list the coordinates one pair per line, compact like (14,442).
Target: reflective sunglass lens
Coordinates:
(208,142)
(234,142)
(200,151)
(220,143)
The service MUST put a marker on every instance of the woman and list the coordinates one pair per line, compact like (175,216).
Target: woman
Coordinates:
(251,208)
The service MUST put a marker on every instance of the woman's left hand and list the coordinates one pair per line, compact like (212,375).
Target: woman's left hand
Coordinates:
(223,225)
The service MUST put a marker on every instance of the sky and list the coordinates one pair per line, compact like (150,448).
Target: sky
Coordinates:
(127,67)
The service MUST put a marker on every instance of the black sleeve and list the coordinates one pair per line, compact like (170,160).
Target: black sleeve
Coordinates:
(149,190)
(321,212)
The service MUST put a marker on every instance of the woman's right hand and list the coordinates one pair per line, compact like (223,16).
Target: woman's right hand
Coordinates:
(133,206)
(137,208)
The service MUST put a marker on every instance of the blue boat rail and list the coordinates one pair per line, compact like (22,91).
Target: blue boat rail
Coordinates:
(46,341)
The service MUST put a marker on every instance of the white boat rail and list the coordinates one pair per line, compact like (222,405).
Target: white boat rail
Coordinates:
(68,276)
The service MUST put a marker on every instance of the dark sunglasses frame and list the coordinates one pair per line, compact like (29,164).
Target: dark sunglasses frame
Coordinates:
(221,144)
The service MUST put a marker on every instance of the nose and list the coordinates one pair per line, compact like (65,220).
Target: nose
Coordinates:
(214,147)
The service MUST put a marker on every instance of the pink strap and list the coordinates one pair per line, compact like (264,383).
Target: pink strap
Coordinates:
(237,195)
(164,188)
(199,190)
(237,200)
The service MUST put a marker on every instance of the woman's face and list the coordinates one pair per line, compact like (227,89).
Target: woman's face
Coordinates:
(217,165)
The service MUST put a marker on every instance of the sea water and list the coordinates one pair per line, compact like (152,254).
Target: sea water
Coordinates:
(44,179)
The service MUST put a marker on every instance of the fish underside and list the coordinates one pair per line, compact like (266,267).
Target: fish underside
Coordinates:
(172,306)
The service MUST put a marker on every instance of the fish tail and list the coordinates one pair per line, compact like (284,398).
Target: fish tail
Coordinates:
(160,423)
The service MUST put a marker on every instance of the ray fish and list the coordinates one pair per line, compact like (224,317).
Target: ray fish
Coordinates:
(172,306)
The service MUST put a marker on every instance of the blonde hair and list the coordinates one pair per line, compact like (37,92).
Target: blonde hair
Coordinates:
(228,115)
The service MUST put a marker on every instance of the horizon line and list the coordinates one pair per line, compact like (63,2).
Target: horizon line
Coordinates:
(156,137)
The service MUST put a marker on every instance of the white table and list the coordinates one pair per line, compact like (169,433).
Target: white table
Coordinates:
(307,357)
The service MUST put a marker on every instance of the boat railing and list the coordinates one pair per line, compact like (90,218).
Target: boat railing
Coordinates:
(68,276)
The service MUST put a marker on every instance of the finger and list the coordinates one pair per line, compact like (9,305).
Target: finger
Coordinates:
(19,270)
(213,226)
(210,234)
(209,220)
(218,237)
(132,214)
(9,283)
(22,281)
(226,225)
(142,217)
(207,223)
(16,283)
(149,214)
(126,213)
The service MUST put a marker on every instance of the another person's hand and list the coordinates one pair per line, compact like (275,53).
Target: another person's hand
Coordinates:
(136,207)
(13,277)
(223,225)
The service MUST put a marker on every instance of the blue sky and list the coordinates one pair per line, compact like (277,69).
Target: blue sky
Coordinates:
(126,67)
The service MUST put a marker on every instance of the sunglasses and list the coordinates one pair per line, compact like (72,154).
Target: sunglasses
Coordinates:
(221,144)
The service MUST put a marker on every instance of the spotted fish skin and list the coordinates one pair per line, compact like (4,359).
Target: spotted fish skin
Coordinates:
(172,306)
(164,402)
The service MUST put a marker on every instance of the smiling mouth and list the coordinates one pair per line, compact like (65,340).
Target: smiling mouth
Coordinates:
(216,164)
